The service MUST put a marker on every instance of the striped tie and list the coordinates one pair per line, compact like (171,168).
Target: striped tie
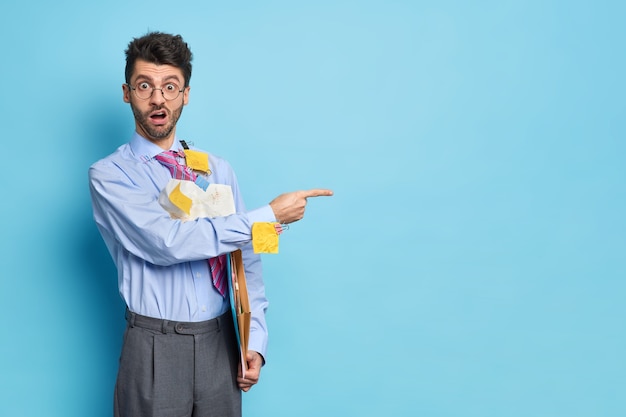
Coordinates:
(178,171)
(217,265)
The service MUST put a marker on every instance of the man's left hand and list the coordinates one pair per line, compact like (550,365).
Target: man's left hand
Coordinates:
(255,361)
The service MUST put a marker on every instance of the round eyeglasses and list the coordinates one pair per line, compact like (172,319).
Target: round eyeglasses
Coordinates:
(144,91)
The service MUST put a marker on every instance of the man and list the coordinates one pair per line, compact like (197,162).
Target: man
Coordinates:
(179,356)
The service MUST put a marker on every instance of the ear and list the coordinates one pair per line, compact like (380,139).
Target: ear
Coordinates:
(126,91)
(186,95)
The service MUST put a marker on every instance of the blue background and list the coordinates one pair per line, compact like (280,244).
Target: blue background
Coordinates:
(472,260)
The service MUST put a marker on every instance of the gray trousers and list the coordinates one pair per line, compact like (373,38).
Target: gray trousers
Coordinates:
(178,369)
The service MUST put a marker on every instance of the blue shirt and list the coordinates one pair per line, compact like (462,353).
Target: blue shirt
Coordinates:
(162,262)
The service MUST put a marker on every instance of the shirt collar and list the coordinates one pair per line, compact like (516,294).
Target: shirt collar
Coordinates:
(146,150)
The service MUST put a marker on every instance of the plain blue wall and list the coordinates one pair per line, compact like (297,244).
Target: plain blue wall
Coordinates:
(471,263)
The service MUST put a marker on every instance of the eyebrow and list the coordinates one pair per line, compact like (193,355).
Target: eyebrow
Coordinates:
(166,78)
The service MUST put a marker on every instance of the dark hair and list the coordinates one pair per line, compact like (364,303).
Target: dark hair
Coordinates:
(161,49)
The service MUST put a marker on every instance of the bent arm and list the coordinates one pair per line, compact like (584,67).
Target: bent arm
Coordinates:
(130,212)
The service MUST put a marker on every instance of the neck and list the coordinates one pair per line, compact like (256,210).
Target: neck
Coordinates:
(163,143)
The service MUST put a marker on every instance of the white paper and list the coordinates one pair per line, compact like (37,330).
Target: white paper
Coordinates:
(216,201)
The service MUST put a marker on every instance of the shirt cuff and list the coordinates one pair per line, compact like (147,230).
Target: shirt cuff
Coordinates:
(261,214)
(258,343)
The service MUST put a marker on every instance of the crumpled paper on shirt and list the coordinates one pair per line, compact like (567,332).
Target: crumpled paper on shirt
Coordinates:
(186,201)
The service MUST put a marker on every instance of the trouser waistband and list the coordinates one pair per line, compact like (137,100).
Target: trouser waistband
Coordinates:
(180,327)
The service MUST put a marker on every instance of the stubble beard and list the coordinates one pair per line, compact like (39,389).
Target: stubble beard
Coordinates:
(161,132)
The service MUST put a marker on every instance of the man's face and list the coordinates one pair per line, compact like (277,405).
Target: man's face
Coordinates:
(156,117)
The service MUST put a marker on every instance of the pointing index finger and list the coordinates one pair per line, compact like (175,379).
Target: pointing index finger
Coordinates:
(317,192)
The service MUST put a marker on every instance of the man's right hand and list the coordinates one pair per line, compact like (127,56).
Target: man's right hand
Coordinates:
(289,207)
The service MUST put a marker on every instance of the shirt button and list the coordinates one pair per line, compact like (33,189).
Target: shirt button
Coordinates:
(203,308)
(198,274)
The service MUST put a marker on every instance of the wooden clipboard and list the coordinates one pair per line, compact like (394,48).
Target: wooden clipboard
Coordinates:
(239,304)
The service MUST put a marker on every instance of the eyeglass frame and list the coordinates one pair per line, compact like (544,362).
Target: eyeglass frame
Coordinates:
(152,92)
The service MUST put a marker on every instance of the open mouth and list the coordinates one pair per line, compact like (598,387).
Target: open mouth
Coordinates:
(158,117)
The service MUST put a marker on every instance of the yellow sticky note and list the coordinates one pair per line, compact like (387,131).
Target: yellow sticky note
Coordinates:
(264,238)
(180,200)
(196,160)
